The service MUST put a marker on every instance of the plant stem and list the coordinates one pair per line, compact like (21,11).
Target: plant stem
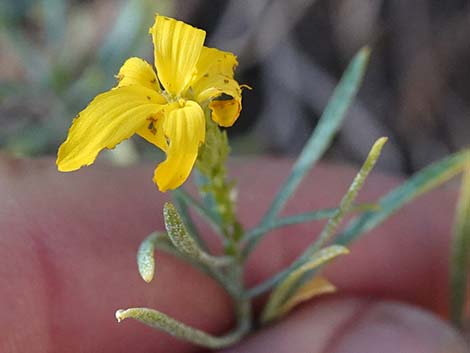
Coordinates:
(218,193)
(214,184)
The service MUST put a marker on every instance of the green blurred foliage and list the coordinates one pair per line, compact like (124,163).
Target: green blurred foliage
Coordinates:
(56,56)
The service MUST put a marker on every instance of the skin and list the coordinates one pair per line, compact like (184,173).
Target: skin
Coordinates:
(68,244)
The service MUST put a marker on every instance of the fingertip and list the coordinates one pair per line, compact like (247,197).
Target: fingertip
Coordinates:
(390,327)
(357,326)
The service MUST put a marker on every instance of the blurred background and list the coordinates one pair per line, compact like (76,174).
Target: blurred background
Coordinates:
(56,55)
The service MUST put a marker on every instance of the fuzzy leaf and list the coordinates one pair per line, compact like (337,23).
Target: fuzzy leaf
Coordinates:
(184,242)
(348,199)
(146,256)
(161,321)
(183,210)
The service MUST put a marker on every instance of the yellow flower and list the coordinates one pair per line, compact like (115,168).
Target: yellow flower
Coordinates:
(165,108)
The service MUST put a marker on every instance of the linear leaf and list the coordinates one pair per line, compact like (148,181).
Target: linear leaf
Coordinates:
(322,136)
(345,206)
(305,217)
(290,220)
(423,181)
(203,211)
(348,199)
(328,231)
(460,258)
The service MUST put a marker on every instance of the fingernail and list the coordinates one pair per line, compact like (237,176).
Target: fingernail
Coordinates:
(394,327)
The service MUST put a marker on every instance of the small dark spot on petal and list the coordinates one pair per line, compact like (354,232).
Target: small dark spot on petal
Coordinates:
(206,75)
(225,81)
(148,97)
(153,80)
(152,128)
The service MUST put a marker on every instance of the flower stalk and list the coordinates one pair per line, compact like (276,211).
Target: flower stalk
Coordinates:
(215,186)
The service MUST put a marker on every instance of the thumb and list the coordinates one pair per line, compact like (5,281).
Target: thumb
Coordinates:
(357,326)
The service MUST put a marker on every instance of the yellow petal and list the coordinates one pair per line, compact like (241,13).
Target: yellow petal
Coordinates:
(110,118)
(215,61)
(317,286)
(136,71)
(177,49)
(226,112)
(214,78)
(184,127)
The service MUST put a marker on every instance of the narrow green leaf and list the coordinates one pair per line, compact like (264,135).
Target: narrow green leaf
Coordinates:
(460,258)
(348,199)
(321,138)
(285,289)
(184,242)
(157,319)
(203,211)
(329,230)
(304,218)
(423,181)
(290,220)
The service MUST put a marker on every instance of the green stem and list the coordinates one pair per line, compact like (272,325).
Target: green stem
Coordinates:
(219,206)
(214,184)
